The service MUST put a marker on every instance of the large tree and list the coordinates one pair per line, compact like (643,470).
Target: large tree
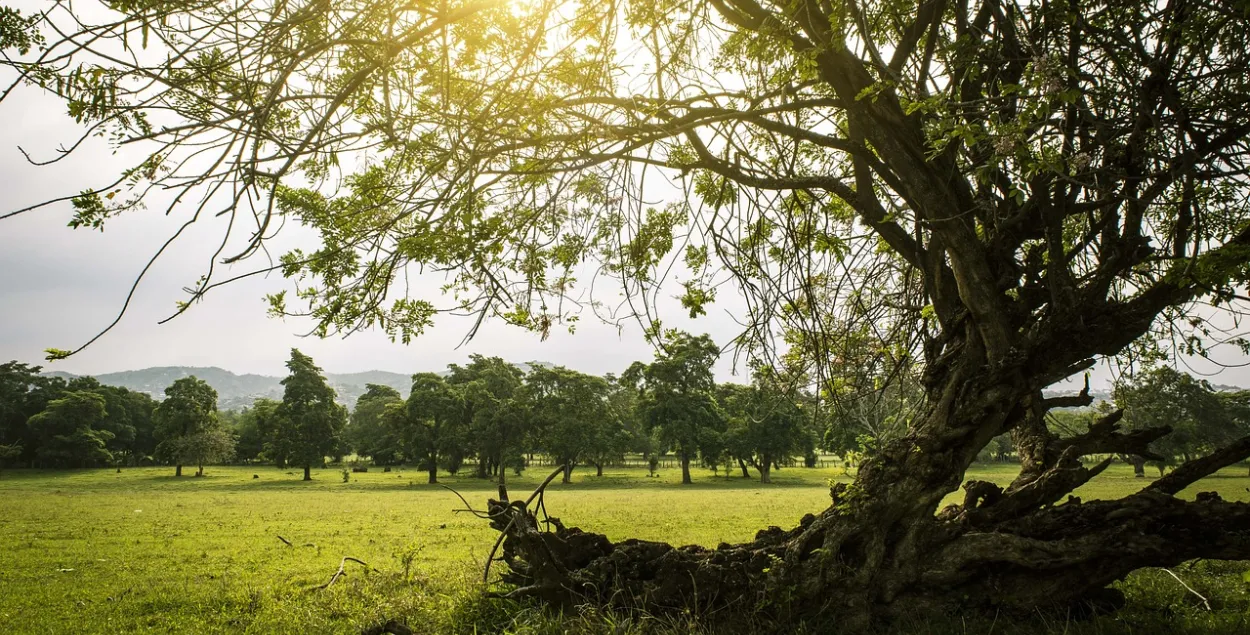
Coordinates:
(308,424)
(570,415)
(67,432)
(765,424)
(183,419)
(1005,192)
(366,432)
(678,396)
(430,425)
(494,415)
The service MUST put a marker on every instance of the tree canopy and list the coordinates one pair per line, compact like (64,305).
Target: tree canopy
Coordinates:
(308,424)
(187,425)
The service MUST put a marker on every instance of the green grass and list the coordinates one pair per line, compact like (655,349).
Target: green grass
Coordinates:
(141,551)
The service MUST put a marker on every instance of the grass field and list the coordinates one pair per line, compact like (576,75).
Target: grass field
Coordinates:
(94,551)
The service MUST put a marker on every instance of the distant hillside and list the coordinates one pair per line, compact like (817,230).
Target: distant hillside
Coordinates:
(238,391)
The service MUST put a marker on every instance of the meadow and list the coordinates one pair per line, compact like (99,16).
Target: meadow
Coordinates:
(97,551)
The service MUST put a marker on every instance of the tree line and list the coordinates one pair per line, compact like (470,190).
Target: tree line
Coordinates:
(493,416)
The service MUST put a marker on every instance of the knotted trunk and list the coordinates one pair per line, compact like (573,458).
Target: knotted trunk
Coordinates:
(882,548)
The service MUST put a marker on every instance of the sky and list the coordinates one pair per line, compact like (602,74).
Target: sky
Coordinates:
(59,287)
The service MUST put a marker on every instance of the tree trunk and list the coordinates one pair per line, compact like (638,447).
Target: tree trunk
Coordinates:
(765,471)
(685,469)
(1139,466)
(599,468)
(568,472)
(307,472)
(177,470)
(743,464)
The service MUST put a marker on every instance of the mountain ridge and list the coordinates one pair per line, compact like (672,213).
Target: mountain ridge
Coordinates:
(235,391)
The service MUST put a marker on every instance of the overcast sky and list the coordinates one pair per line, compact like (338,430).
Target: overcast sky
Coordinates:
(59,287)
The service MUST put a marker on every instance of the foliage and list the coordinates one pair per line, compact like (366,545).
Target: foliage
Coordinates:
(494,413)
(366,433)
(1202,420)
(253,428)
(308,423)
(571,419)
(430,425)
(66,432)
(766,425)
(677,396)
(187,424)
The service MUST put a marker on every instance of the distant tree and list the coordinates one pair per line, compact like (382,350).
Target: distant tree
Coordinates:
(189,410)
(308,424)
(214,444)
(366,433)
(130,417)
(622,403)
(1200,420)
(494,413)
(678,395)
(253,427)
(766,423)
(430,424)
(24,392)
(569,411)
(66,431)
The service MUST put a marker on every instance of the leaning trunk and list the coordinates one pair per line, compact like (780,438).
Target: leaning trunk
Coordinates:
(743,464)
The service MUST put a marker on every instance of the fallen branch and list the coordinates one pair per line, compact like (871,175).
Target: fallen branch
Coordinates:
(288,542)
(341,572)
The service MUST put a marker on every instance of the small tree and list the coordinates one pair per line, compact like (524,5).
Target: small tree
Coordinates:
(308,423)
(214,444)
(189,409)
